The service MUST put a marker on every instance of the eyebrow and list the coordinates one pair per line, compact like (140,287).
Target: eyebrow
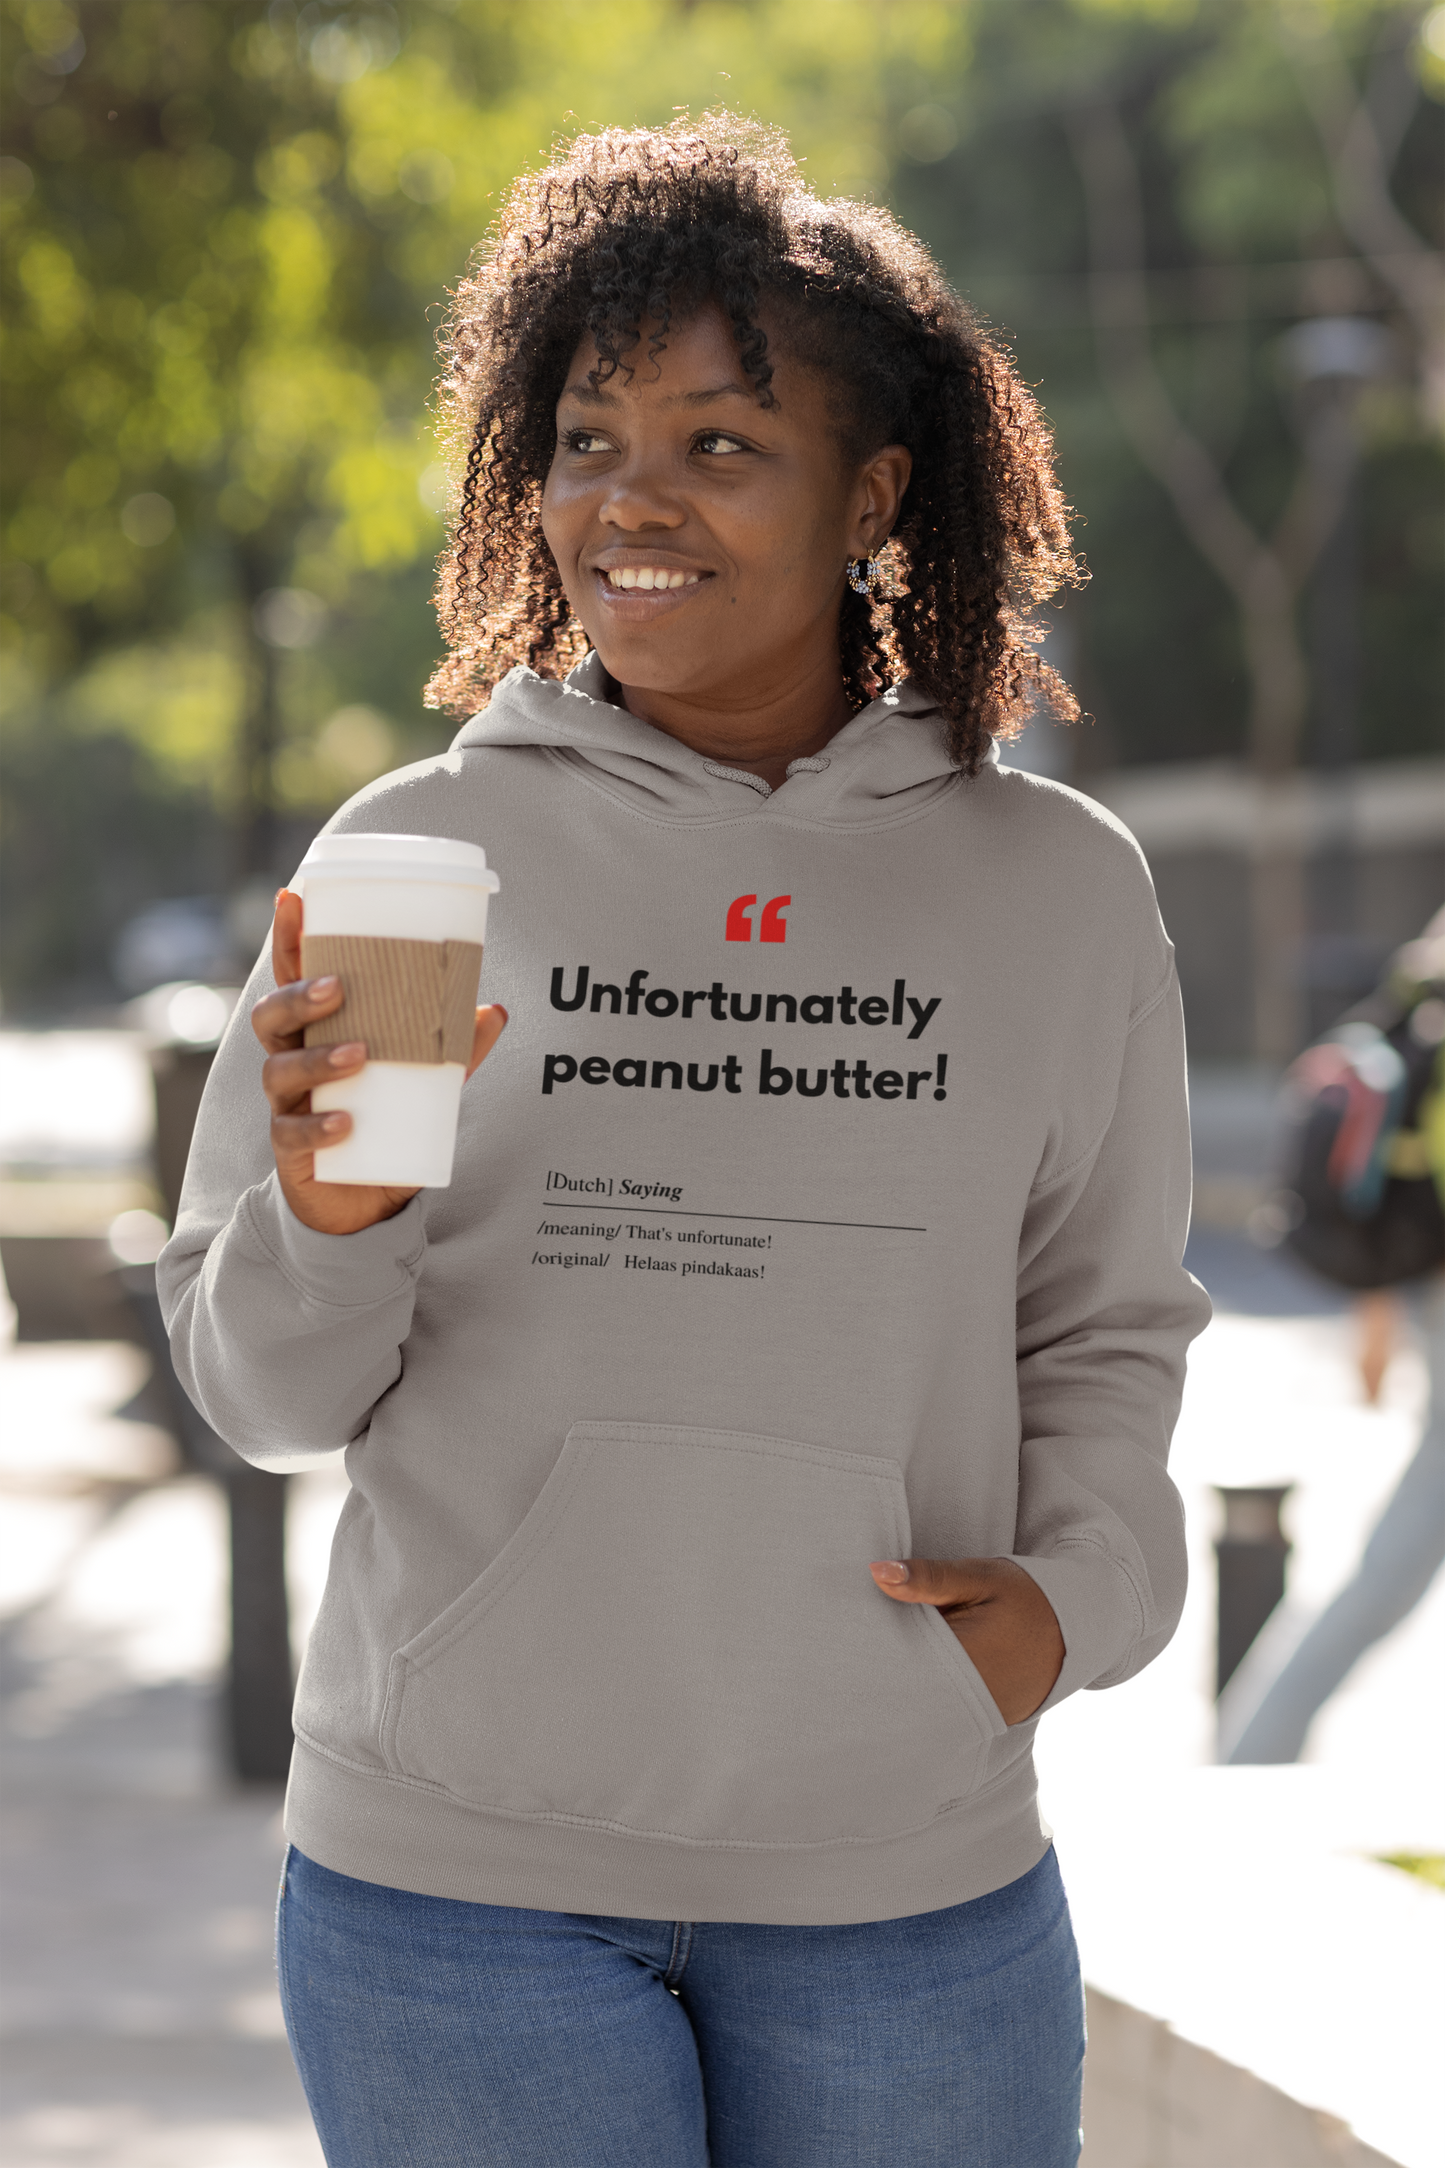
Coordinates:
(589,395)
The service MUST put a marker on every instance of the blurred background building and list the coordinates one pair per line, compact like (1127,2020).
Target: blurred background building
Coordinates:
(1211,230)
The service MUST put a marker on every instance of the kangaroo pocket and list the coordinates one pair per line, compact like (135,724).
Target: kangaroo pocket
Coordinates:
(683,1639)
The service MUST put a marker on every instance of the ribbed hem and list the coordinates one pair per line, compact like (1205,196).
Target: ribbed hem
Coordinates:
(342,1271)
(1099,1614)
(412,1837)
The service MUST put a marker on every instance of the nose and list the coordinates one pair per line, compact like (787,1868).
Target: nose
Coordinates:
(637,500)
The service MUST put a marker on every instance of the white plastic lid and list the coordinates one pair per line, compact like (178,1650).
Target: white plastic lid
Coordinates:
(406,858)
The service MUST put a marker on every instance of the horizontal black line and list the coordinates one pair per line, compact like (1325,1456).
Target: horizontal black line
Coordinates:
(768,1219)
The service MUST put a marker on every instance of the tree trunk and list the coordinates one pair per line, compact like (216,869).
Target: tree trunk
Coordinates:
(1279,694)
(1263,576)
(256,834)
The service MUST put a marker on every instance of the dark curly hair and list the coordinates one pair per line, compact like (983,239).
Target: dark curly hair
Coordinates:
(641,227)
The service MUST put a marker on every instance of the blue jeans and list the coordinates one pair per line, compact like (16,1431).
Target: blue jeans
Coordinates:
(435,2034)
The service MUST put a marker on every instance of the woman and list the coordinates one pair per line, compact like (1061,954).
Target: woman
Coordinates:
(770,1420)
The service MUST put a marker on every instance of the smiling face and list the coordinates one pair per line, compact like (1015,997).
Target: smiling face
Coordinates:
(702,538)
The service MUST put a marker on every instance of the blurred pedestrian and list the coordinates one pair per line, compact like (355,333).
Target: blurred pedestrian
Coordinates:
(1374,1094)
(650,1802)
(1379,1316)
(1404,1553)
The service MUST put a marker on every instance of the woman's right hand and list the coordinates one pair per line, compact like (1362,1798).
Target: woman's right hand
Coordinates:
(292,1069)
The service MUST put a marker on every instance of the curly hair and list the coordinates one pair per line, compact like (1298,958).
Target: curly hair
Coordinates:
(641,227)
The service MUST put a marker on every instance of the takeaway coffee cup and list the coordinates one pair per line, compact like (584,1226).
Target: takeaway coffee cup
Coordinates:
(400,920)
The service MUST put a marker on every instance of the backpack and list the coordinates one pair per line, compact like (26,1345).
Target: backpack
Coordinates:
(1362,1167)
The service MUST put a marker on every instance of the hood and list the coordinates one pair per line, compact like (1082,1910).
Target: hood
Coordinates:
(885,764)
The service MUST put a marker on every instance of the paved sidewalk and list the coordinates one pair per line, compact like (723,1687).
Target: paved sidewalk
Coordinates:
(140,2018)
(139,2015)
(1249,1907)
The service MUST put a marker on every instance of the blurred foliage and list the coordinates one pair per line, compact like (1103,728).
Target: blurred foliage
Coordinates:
(225,228)
(1242,242)
(228,228)
(1427,1866)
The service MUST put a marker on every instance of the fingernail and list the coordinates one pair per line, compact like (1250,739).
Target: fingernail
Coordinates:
(341,1057)
(890,1569)
(332,1122)
(320,988)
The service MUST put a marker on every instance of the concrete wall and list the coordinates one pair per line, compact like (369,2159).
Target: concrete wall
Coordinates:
(1204,898)
(1372,844)
(1152,2100)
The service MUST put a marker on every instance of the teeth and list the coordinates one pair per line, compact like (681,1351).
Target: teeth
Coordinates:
(650,578)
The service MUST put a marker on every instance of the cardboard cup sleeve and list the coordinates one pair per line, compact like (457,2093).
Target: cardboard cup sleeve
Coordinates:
(409,1001)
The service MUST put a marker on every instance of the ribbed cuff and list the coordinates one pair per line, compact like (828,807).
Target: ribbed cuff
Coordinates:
(1098,1613)
(345,1271)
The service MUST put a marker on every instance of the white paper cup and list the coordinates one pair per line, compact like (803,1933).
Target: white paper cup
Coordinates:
(407,888)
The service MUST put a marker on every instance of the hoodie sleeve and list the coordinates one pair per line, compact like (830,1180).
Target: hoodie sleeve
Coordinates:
(285,1339)
(1105,1314)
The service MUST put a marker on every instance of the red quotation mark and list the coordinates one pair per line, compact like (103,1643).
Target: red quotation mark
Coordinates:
(772,926)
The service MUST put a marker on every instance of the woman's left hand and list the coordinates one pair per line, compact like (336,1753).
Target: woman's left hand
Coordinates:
(1000,1615)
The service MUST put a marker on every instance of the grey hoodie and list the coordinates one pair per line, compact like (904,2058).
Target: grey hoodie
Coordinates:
(823,1201)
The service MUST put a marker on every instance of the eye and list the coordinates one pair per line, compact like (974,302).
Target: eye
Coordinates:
(585,440)
(717,444)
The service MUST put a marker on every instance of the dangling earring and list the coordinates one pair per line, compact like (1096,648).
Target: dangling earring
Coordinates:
(863,574)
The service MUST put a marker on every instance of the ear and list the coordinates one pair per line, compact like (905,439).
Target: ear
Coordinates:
(877,497)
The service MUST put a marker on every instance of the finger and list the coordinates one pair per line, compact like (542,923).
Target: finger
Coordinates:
(929,1580)
(298,1137)
(287,1079)
(491,1023)
(286,937)
(279,1019)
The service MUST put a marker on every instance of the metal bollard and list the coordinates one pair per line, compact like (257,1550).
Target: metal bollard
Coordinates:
(1251,1553)
(178,1078)
(259,1679)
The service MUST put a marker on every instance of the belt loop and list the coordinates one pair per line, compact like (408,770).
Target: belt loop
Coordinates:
(681,1951)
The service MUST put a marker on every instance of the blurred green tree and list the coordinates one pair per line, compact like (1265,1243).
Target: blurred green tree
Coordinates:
(224,230)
